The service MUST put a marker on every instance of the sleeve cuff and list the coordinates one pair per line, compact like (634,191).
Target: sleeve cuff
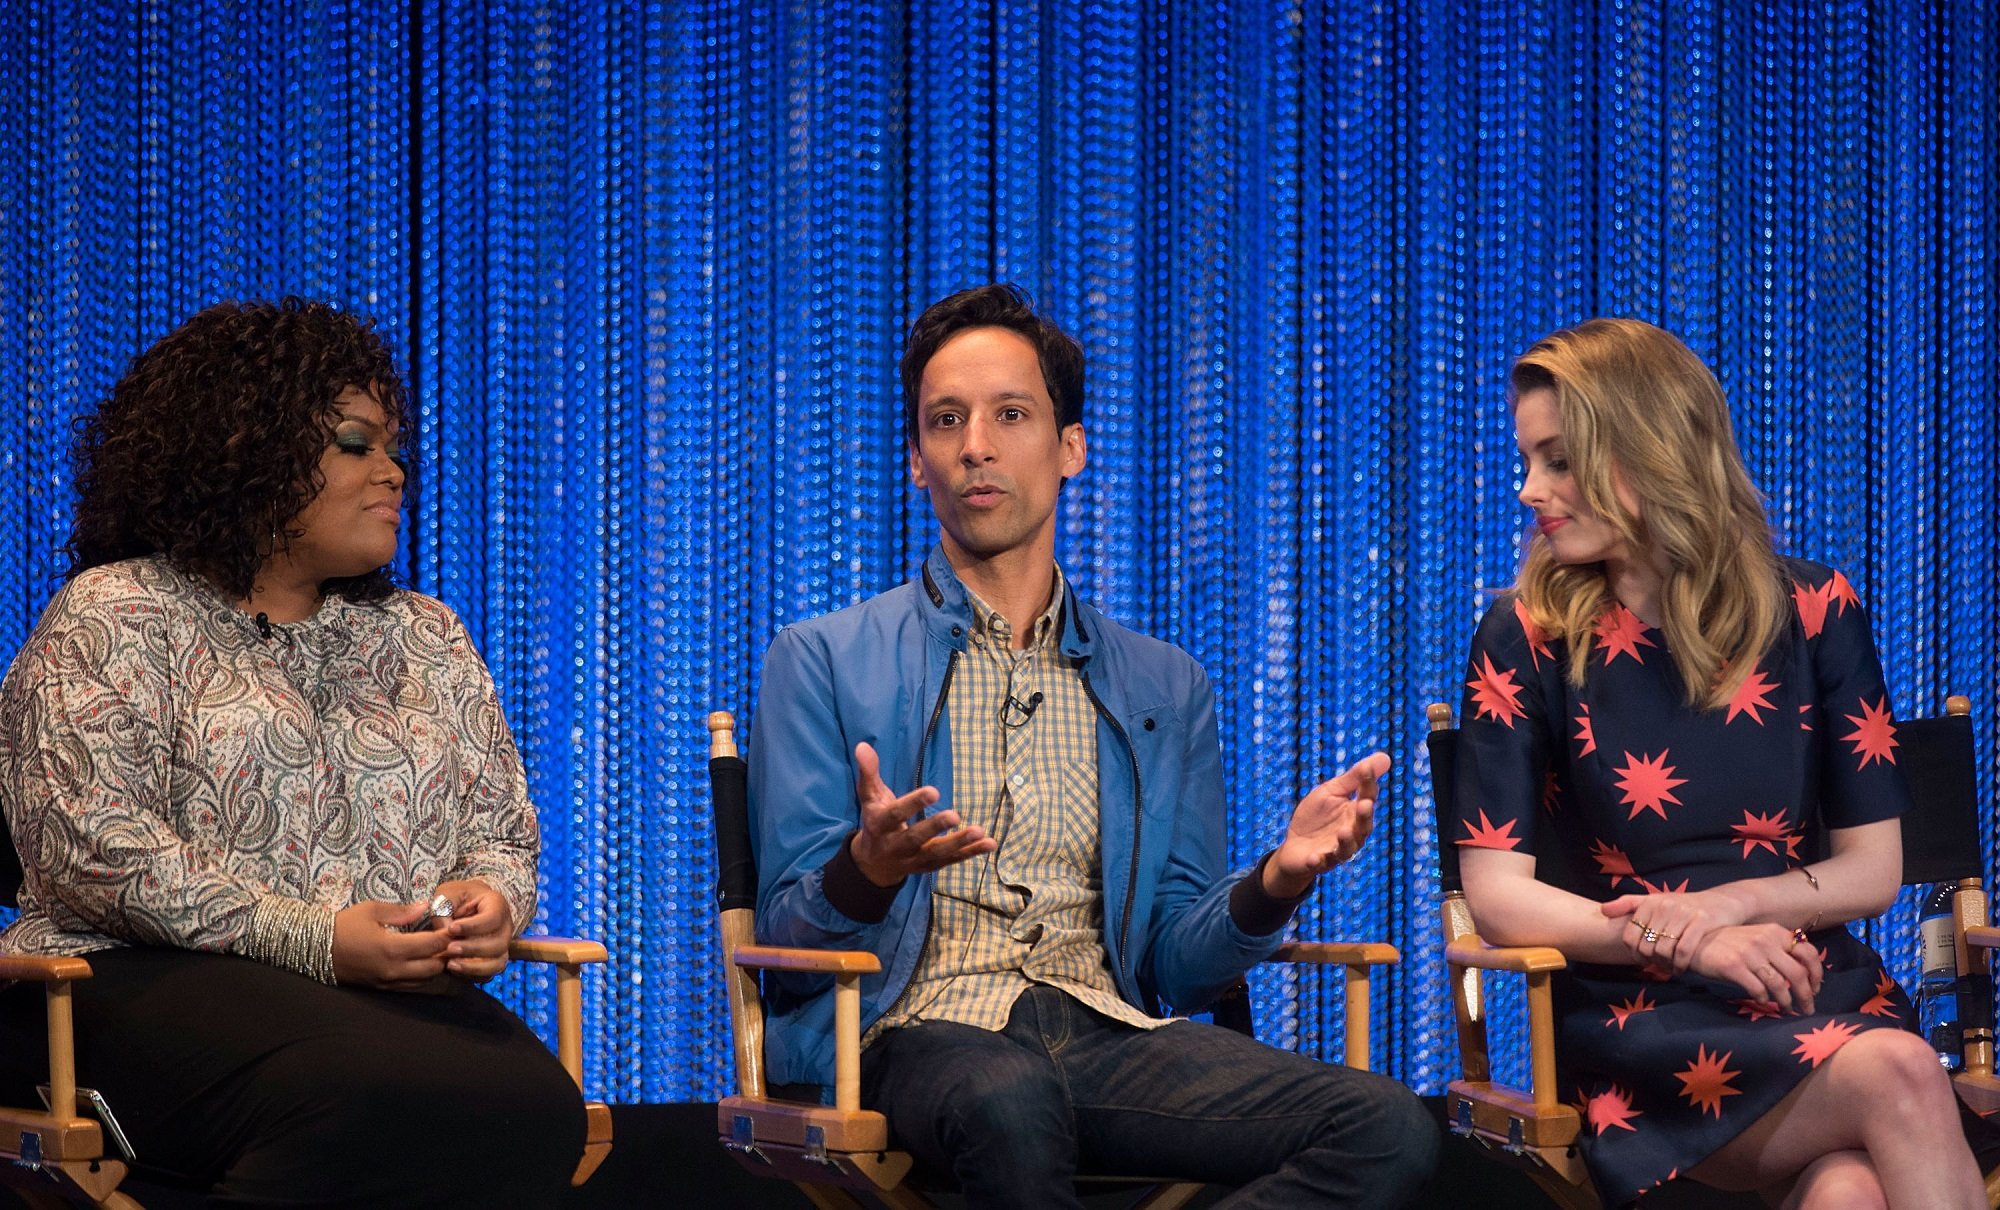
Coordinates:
(1254,910)
(848,890)
(296,936)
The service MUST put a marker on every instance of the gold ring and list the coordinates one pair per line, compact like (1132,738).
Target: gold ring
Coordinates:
(1798,935)
(1670,936)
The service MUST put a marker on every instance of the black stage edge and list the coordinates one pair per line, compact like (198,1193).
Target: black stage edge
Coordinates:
(667,1156)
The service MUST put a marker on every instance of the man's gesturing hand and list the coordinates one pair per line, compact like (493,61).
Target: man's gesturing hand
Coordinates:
(889,848)
(1327,828)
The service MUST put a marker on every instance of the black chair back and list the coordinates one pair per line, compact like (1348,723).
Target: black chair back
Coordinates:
(1941,831)
(1443,744)
(736,863)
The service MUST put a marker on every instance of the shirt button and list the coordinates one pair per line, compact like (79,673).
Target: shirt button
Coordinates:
(1020,779)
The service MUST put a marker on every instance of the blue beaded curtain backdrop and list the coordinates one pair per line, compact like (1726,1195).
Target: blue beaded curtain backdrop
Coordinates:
(648,267)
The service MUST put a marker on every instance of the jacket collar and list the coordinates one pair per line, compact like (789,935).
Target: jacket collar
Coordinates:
(948,615)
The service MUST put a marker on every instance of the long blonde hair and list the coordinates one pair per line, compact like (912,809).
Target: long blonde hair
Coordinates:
(1637,405)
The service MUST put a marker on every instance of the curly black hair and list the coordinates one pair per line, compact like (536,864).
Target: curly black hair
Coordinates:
(210,445)
(994,306)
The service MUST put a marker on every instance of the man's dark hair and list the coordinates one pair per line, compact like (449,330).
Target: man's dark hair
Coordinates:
(210,445)
(994,306)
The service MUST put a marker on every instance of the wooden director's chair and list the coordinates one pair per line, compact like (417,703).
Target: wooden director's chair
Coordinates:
(56,1156)
(836,1154)
(1536,1130)
(1941,844)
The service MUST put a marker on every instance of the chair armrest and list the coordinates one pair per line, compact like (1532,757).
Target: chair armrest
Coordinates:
(1983,936)
(1339,953)
(564,951)
(35,968)
(821,962)
(1469,950)
(1358,957)
(847,967)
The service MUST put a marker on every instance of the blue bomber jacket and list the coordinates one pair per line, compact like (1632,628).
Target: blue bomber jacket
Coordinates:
(879,672)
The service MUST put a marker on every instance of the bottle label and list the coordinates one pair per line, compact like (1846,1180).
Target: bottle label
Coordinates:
(1940,945)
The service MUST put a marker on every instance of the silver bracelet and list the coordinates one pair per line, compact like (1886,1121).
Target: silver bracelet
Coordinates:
(296,936)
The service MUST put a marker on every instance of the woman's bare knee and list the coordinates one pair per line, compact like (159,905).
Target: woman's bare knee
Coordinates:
(1893,1066)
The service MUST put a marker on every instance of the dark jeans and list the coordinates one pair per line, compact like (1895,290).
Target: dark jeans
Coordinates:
(1015,1114)
(267,1088)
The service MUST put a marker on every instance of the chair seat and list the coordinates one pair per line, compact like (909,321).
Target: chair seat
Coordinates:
(66,1151)
(1497,1108)
(1980,1092)
(797,1140)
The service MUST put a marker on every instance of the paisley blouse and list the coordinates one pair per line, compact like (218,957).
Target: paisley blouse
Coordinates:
(174,777)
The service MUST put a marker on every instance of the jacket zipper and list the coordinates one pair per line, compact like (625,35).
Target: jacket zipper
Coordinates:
(923,752)
(937,710)
(1138,818)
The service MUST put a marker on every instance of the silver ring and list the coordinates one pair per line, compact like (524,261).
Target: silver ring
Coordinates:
(1649,936)
(441,907)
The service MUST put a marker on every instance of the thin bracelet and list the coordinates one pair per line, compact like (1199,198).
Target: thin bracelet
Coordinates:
(1809,876)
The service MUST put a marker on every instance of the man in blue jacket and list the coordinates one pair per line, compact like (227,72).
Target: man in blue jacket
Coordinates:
(1050,878)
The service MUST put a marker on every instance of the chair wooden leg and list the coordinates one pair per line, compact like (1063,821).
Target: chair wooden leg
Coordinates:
(1170,1197)
(1564,1194)
(828,1198)
(903,1198)
(1993,1190)
(596,1140)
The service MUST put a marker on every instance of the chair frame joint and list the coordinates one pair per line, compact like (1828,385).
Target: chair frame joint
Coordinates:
(743,1139)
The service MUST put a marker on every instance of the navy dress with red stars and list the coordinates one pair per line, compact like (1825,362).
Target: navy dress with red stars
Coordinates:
(1619,787)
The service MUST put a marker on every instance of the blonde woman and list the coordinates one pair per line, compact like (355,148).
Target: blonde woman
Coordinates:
(1656,718)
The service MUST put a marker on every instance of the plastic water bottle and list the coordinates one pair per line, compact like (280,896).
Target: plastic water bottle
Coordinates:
(1937,993)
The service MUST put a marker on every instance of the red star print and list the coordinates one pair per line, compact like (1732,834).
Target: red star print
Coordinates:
(1551,791)
(1648,782)
(1752,695)
(1612,861)
(1879,1004)
(1838,589)
(1874,734)
(1805,712)
(1757,1010)
(1494,693)
(1818,1045)
(1620,1013)
(1622,633)
(1654,972)
(1538,639)
(1612,1107)
(1706,1081)
(1486,836)
(1812,603)
(1585,733)
(1662,888)
(1766,832)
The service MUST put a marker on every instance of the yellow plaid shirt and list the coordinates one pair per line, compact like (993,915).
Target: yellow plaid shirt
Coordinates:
(1032,911)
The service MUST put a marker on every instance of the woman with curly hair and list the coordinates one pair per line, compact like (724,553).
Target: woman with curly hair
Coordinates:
(1658,718)
(273,797)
